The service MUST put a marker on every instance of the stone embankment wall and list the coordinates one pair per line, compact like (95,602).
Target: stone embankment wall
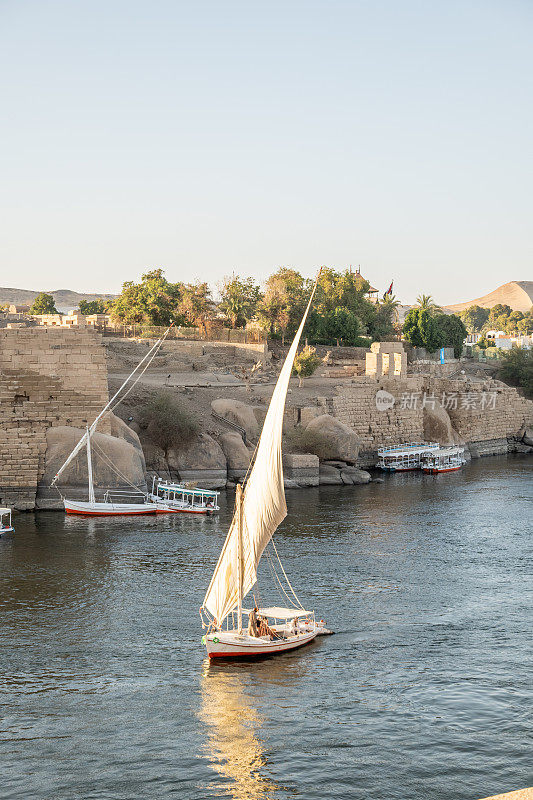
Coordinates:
(48,377)
(483,414)
(356,407)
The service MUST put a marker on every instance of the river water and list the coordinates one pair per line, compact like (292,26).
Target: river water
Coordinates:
(424,691)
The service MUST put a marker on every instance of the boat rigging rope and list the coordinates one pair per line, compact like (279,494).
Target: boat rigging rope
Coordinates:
(285,574)
(139,376)
(276,576)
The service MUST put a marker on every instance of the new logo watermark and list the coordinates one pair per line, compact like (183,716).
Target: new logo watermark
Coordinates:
(412,401)
(384,400)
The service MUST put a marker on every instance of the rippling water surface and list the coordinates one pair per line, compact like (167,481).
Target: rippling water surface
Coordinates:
(424,692)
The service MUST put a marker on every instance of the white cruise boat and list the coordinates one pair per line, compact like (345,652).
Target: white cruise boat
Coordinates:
(444,459)
(176,498)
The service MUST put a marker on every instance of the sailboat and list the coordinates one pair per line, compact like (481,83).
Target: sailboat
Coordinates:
(260,507)
(124,504)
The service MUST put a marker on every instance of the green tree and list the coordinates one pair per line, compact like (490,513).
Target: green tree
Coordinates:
(474,318)
(411,331)
(425,302)
(153,301)
(422,330)
(92,307)
(44,304)
(452,332)
(517,369)
(305,363)
(195,304)
(340,309)
(382,326)
(284,301)
(240,300)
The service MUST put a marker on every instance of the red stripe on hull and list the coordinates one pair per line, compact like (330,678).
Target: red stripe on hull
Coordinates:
(437,471)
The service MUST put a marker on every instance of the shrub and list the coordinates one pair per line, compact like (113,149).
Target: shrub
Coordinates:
(306,363)
(299,440)
(517,369)
(167,422)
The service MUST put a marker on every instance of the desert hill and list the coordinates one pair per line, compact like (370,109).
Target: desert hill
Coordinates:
(65,299)
(517,294)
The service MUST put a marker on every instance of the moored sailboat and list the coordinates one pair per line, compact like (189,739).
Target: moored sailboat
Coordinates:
(260,507)
(108,506)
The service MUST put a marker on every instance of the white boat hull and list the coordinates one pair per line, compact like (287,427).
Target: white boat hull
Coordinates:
(229,644)
(108,509)
(9,529)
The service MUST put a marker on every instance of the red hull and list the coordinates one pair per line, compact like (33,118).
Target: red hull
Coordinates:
(437,471)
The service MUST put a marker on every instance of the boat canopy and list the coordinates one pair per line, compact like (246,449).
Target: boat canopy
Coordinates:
(178,487)
(276,612)
(5,511)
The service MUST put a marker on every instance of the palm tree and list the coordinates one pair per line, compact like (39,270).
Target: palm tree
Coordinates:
(390,303)
(426,303)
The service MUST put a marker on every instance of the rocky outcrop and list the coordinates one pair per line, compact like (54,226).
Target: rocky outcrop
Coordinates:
(438,426)
(329,475)
(236,453)
(239,413)
(301,468)
(337,473)
(340,440)
(202,462)
(353,476)
(117,464)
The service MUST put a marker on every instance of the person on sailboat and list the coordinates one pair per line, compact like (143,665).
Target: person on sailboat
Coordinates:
(253,626)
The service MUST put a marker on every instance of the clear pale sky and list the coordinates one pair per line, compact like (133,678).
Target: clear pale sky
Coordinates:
(207,137)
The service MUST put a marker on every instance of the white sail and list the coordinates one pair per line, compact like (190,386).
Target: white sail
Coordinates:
(263,504)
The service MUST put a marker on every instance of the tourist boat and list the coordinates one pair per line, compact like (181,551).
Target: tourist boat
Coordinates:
(260,507)
(176,498)
(445,459)
(404,457)
(5,521)
(129,503)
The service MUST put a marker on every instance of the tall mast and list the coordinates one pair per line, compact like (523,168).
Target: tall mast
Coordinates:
(90,468)
(239,557)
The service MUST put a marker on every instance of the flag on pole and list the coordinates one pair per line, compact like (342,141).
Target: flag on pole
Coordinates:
(389,290)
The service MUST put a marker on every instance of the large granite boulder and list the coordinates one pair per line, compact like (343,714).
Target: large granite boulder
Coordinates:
(117,464)
(354,476)
(239,413)
(201,462)
(438,426)
(329,476)
(237,454)
(121,430)
(340,440)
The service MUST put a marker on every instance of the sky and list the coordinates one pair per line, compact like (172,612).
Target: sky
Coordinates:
(215,137)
